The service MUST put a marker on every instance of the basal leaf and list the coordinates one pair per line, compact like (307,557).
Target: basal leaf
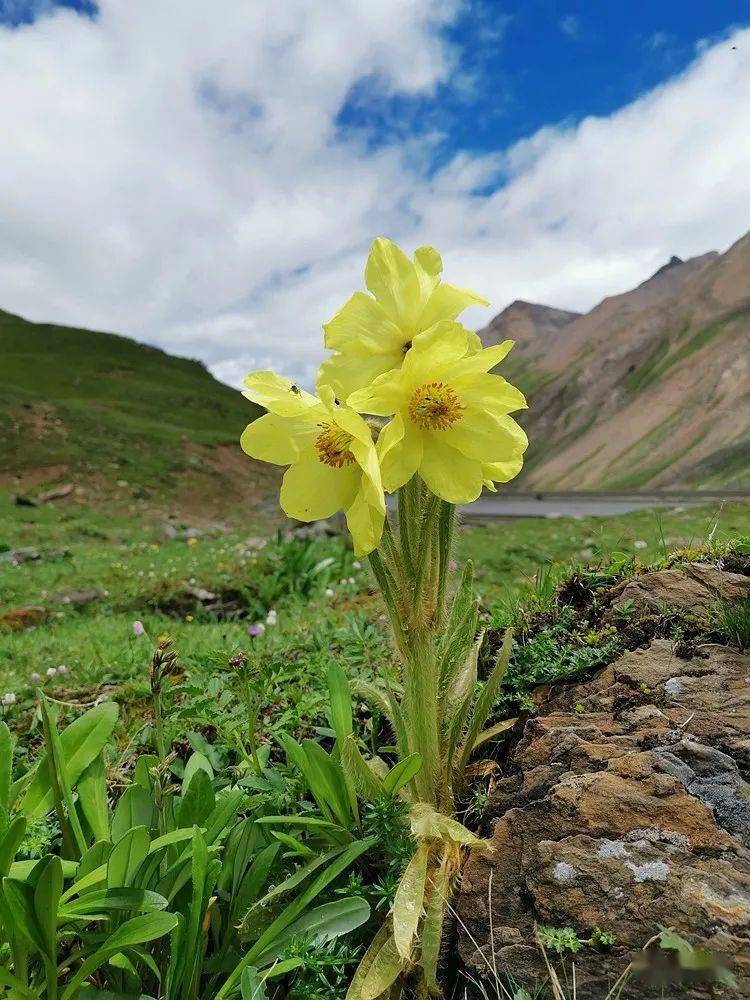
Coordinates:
(127,856)
(402,773)
(432,926)
(47,892)
(322,924)
(6,772)
(92,797)
(81,741)
(137,930)
(407,905)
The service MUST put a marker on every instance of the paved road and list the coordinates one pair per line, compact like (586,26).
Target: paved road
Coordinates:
(493,507)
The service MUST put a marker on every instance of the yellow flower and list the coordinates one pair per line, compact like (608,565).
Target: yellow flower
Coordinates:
(371,334)
(451,422)
(329,449)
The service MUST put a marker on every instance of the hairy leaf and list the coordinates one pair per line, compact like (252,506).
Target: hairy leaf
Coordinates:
(407,906)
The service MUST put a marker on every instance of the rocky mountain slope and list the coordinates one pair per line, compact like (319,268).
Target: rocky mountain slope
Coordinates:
(649,389)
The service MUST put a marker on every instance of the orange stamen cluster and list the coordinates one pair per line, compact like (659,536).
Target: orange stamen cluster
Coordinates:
(332,445)
(434,406)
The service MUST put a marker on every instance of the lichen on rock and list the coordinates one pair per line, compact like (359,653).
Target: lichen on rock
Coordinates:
(630,816)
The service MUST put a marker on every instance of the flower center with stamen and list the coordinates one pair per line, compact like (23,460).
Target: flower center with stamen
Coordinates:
(434,407)
(332,445)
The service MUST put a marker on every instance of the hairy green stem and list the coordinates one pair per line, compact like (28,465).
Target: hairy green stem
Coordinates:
(390,593)
(161,746)
(408,506)
(425,532)
(251,708)
(421,711)
(446,530)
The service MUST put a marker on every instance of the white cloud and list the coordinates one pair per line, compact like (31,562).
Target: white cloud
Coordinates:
(570,26)
(180,176)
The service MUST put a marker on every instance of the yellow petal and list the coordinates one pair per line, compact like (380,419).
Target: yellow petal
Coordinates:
(327,396)
(448,302)
(279,440)
(502,472)
(371,485)
(346,373)
(485,436)
(383,397)
(365,522)
(447,473)
(312,490)
(392,279)
(443,344)
(362,326)
(353,424)
(474,341)
(429,266)
(400,452)
(485,360)
(279,395)
(488,392)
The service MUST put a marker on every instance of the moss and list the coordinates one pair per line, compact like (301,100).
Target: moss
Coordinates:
(644,375)
(661,360)
(725,466)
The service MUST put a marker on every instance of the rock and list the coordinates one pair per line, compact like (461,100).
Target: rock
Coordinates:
(628,816)
(255,543)
(78,598)
(22,618)
(317,529)
(201,595)
(56,493)
(17,556)
(690,587)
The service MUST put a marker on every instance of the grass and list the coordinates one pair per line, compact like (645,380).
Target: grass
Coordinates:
(732,618)
(204,589)
(646,373)
(132,571)
(661,360)
(106,406)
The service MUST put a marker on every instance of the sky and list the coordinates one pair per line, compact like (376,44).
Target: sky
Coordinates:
(208,178)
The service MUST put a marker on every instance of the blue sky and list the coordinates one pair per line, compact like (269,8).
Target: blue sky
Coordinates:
(524,65)
(209,178)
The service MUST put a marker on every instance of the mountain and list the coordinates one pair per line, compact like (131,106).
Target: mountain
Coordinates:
(119,419)
(651,389)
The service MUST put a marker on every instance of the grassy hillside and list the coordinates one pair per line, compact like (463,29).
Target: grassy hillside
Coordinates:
(104,409)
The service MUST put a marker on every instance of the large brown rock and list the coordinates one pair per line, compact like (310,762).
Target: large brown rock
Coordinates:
(626,807)
(688,587)
(22,618)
